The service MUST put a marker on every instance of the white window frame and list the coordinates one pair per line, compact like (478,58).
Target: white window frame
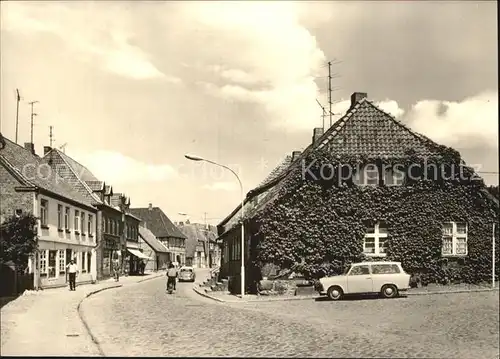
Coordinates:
(82,222)
(84,262)
(361,176)
(67,218)
(376,236)
(76,220)
(455,236)
(44,211)
(62,261)
(56,264)
(60,216)
(90,223)
(393,179)
(43,261)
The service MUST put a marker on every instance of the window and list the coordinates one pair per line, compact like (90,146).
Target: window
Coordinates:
(393,177)
(62,261)
(69,254)
(44,207)
(360,270)
(89,261)
(19,212)
(77,221)
(385,269)
(66,218)
(106,225)
(367,176)
(84,262)
(82,223)
(52,264)
(90,221)
(43,263)
(375,240)
(454,239)
(59,216)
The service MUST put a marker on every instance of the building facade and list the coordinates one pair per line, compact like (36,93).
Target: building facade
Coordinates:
(165,231)
(155,250)
(67,221)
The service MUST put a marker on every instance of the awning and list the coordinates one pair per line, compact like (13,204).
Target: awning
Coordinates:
(138,253)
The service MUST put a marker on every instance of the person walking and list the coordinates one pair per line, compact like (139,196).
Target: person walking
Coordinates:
(72,270)
(171,276)
(116,270)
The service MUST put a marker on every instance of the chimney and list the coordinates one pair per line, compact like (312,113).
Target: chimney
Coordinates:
(295,155)
(356,97)
(30,147)
(181,224)
(317,133)
(150,207)
(46,149)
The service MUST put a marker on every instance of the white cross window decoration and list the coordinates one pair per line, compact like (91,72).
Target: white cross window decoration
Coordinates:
(375,241)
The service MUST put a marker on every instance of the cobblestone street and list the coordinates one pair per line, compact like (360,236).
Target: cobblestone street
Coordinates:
(142,320)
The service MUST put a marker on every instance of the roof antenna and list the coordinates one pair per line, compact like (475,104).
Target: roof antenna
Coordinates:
(324,113)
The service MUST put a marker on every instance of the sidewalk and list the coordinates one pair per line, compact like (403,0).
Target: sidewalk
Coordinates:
(225,297)
(47,323)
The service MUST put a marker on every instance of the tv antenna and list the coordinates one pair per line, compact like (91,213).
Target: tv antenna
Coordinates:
(63,147)
(324,113)
(32,115)
(18,98)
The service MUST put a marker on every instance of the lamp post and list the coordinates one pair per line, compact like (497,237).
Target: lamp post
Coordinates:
(242,274)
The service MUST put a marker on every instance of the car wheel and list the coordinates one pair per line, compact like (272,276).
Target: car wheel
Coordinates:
(335,293)
(389,291)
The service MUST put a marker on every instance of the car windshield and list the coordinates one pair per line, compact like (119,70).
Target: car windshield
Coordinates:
(186,270)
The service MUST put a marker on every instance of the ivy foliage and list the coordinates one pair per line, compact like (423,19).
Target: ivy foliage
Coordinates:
(317,223)
(18,239)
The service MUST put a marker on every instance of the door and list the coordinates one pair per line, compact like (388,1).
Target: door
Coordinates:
(359,280)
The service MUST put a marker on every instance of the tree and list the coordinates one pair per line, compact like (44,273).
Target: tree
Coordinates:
(18,240)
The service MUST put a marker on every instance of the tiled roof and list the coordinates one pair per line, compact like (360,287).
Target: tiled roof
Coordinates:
(31,169)
(63,165)
(249,205)
(95,185)
(83,172)
(365,130)
(195,232)
(157,222)
(151,240)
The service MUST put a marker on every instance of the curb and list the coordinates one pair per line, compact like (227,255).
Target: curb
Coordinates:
(276,299)
(454,291)
(85,324)
(150,278)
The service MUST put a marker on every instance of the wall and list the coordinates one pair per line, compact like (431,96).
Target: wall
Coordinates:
(58,245)
(10,200)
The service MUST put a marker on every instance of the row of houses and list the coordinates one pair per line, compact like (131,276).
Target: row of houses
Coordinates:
(82,218)
(292,221)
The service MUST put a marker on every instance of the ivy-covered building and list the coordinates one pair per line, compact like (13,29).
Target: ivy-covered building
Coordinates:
(368,188)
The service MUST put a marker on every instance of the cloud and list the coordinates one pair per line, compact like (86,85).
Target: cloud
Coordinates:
(115,168)
(265,57)
(221,186)
(463,124)
(101,37)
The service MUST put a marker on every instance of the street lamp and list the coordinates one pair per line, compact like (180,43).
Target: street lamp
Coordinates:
(242,274)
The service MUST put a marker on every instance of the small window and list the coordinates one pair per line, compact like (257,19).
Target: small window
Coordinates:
(454,240)
(19,212)
(385,269)
(82,223)
(44,207)
(375,241)
(59,216)
(360,270)
(77,221)
(66,218)
(90,222)
(62,261)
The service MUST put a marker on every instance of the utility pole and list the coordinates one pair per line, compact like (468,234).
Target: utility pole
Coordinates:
(330,90)
(32,115)
(17,112)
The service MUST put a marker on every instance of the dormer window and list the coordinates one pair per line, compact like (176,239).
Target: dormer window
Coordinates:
(367,176)
(393,176)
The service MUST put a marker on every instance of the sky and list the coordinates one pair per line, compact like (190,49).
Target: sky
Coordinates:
(131,87)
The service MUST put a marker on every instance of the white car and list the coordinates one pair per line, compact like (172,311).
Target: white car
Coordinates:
(386,278)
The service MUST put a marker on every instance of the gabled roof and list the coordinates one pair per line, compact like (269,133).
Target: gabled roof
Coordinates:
(30,170)
(196,236)
(63,164)
(364,130)
(95,185)
(157,222)
(234,217)
(151,240)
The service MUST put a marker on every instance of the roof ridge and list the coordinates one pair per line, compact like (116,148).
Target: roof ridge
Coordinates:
(89,190)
